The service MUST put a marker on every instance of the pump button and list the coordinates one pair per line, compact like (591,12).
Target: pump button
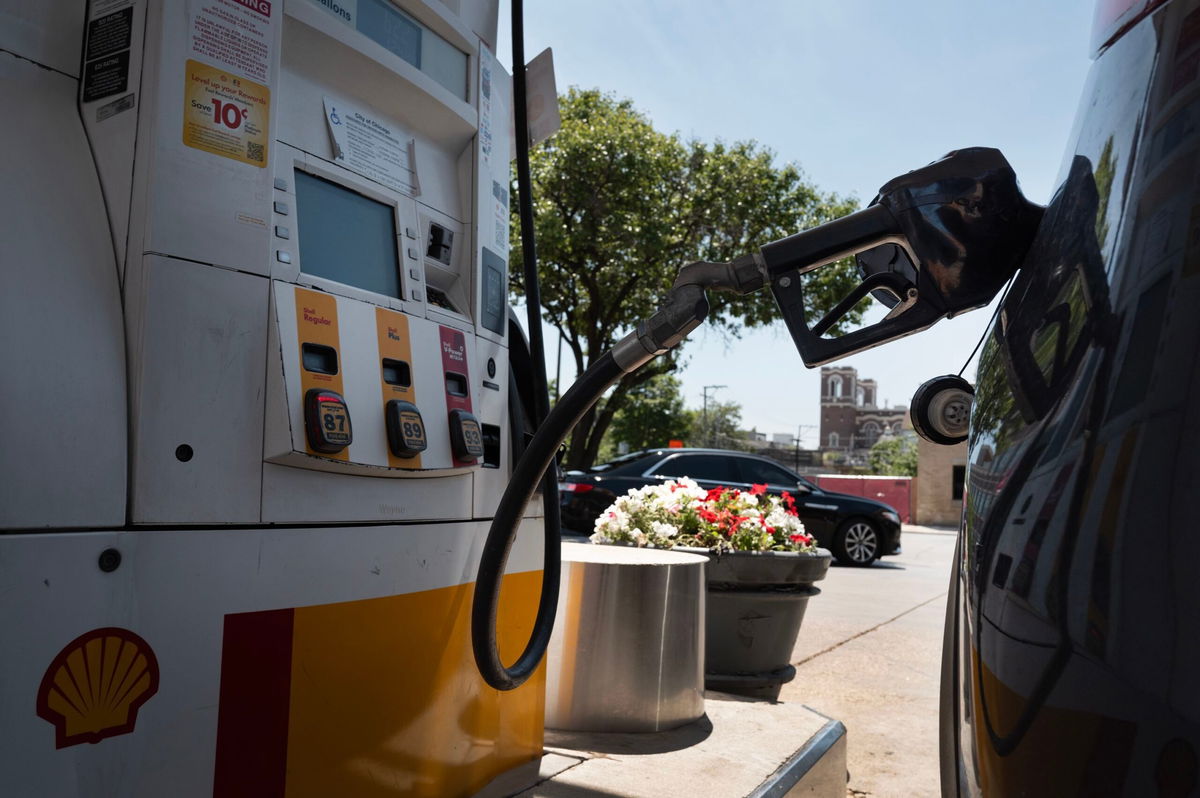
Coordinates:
(281,208)
(466,440)
(405,429)
(327,421)
(281,183)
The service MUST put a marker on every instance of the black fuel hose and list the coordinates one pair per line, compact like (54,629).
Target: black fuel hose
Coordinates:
(495,553)
(532,467)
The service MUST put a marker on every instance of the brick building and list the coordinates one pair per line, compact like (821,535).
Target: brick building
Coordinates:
(941,471)
(851,418)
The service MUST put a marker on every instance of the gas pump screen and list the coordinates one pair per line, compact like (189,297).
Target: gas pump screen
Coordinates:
(346,237)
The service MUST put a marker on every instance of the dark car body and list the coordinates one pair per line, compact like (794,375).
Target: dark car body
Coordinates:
(829,517)
(1072,649)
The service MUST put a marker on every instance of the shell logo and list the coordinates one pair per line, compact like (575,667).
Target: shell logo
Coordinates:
(95,686)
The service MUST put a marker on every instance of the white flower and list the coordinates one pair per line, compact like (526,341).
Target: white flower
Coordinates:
(663,530)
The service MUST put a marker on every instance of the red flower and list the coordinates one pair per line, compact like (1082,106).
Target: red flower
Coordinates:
(789,503)
(713,494)
(757,490)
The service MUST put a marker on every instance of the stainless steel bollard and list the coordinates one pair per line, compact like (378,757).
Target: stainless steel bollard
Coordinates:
(627,653)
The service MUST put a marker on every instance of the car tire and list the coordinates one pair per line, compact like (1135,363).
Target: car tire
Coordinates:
(857,543)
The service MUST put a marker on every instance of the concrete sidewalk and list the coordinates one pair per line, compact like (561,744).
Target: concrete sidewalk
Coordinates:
(741,747)
(869,654)
(864,700)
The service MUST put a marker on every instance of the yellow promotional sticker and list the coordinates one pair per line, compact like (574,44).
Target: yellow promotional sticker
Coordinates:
(226,115)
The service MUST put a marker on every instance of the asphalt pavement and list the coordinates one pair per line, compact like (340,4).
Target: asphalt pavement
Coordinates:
(869,654)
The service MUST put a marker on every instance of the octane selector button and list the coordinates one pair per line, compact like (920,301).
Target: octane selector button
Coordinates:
(465,437)
(405,429)
(327,421)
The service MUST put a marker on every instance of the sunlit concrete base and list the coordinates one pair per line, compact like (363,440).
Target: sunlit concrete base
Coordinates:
(741,747)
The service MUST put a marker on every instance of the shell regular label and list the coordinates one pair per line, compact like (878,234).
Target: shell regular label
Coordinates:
(225,114)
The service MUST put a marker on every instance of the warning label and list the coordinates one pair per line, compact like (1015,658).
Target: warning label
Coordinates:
(109,34)
(235,33)
(225,115)
(105,77)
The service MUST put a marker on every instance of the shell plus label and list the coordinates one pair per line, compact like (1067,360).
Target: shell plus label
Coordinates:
(226,115)
(395,350)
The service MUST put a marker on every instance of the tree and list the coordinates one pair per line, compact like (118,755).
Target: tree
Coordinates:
(654,414)
(620,207)
(717,426)
(894,455)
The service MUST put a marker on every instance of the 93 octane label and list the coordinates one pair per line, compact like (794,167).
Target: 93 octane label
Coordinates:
(472,438)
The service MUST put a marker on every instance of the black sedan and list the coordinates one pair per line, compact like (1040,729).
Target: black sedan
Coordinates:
(858,531)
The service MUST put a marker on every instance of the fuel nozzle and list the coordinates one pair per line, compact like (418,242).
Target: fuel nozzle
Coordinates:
(936,242)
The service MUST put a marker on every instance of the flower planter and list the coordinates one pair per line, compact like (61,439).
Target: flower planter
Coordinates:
(758,579)
(755,605)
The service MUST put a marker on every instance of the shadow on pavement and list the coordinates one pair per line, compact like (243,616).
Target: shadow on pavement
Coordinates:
(632,744)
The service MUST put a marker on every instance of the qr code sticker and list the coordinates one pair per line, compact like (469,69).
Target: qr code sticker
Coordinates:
(254,151)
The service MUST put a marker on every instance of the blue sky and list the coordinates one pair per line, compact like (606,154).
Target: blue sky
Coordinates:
(855,92)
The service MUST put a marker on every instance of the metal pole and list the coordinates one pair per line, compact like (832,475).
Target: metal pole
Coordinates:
(707,430)
(558,369)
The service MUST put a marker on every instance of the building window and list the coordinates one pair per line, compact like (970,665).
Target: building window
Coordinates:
(870,432)
(835,387)
(833,440)
(957,477)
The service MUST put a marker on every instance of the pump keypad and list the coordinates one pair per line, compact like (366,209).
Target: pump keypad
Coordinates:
(405,428)
(327,421)
(465,437)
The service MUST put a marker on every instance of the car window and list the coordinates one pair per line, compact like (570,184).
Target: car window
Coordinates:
(757,471)
(711,467)
(630,464)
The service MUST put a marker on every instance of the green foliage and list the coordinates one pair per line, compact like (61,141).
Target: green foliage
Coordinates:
(1106,170)
(894,455)
(717,426)
(653,416)
(620,207)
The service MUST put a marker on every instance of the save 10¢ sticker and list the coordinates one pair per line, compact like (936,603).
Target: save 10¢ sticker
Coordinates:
(226,115)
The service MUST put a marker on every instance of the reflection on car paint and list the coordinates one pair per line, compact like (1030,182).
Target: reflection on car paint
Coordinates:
(1074,645)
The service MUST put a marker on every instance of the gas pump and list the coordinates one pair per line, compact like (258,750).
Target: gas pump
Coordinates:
(257,267)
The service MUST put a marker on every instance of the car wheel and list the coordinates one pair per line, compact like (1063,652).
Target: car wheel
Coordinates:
(856,543)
